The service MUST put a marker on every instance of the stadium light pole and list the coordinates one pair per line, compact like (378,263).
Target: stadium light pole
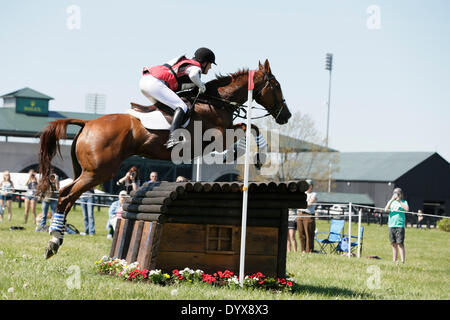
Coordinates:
(329,67)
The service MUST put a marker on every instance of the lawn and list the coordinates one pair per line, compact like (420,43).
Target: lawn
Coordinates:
(25,274)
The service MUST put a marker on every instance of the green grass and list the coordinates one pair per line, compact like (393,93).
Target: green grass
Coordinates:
(425,275)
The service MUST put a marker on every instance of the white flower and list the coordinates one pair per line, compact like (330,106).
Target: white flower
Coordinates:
(11,290)
(174,292)
(152,272)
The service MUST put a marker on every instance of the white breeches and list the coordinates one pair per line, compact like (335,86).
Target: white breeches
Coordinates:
(156,90)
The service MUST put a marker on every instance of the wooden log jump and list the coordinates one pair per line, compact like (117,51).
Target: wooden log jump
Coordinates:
(197,224)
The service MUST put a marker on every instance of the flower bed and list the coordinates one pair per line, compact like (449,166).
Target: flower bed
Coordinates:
(132,272)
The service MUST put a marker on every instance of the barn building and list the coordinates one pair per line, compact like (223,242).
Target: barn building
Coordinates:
(424,178)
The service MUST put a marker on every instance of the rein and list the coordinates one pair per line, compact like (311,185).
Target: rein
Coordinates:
(239,110)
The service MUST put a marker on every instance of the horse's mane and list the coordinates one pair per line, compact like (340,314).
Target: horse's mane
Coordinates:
(223,80)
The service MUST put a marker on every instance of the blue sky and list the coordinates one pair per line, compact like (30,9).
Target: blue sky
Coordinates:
(390,90)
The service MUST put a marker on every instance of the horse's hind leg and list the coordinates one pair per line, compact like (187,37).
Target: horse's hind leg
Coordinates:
(67,198)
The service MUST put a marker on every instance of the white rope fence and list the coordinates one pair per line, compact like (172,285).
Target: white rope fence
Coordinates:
(24,194)
(347,212)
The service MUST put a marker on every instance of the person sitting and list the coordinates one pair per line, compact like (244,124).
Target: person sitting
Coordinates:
(153,177)
(115,212)
(159,83)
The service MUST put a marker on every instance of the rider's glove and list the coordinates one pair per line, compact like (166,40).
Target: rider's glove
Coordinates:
(202,88)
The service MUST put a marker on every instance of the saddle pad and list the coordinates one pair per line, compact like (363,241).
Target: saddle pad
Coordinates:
(154,120)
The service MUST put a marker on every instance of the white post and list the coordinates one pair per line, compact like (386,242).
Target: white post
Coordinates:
(349,229)
(246,174)
(199,164)
(359,232)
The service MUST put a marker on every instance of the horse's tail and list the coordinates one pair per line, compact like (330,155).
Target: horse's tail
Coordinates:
(48,147)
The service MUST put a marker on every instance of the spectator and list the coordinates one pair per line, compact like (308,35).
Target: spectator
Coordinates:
(6,191)
(87,208)
(419,219)
(115,212)
(50,200)
(153,177)
(30,199)
(396,223)
(292,227)
(131,180)
(182,179)
(306,223)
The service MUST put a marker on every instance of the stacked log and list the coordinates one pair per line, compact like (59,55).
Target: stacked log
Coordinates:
(214,202)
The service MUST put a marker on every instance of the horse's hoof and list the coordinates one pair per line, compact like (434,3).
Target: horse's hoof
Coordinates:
(51,250)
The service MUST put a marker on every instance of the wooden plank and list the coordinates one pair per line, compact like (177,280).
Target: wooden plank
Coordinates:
(125,239)
(135,242)
(183,237)
(155,244)
(112,252)
(235,221)
(282,248)
(148,245)
(118,232)
(143,243)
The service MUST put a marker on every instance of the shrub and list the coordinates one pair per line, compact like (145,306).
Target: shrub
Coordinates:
(444,224)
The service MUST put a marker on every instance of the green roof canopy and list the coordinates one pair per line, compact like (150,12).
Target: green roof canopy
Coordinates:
(24,125)
(27,93)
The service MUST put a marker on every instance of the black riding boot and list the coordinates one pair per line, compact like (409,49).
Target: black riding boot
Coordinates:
(176,123)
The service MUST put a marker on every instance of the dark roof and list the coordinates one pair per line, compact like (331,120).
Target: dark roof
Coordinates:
(27,93)
(339,197)
(367,166)
(377,166)
(24,125)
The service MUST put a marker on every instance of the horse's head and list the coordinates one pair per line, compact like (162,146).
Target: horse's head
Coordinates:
(267,92)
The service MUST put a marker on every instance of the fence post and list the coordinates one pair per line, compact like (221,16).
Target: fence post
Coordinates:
(359,233)
(349,242)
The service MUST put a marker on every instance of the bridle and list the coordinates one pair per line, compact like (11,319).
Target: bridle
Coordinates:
(280,104)
(239,110)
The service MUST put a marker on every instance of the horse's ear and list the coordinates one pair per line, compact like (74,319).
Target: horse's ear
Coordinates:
(267,66)
(260,65)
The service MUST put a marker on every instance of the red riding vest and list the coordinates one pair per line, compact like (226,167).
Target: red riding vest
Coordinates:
(174,75)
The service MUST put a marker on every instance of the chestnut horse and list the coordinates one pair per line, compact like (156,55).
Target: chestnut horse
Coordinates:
(102,144)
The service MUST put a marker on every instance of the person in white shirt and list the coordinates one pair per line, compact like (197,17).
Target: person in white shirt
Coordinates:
(306,223)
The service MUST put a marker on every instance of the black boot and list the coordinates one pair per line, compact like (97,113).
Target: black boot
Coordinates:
(176,123)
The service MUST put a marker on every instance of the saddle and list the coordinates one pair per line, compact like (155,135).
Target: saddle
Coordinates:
(159,116)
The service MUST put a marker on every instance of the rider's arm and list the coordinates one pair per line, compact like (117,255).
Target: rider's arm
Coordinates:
(194,73)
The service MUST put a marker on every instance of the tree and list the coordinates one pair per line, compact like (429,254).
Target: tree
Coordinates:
(301,153)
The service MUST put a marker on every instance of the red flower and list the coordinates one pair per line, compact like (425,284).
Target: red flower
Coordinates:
(261,282)
(175,272)
(289,284)
(180,277)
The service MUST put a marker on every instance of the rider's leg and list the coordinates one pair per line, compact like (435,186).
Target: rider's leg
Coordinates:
(156,89)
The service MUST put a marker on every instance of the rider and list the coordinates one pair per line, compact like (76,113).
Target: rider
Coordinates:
(159,83)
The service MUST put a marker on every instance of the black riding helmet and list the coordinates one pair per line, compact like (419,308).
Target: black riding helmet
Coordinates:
(205,55)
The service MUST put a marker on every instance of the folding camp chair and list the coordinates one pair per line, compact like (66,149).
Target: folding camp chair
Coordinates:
(342,247)
(334,236)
